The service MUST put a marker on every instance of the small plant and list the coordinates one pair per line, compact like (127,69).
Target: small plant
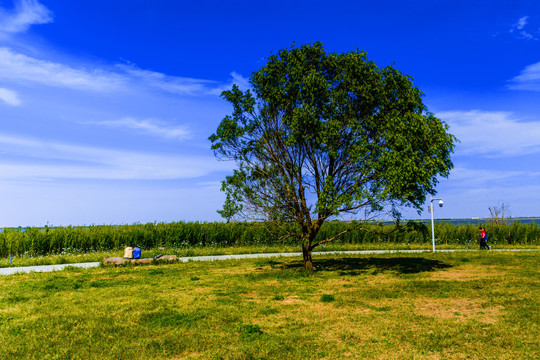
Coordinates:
(189,252)
(278,297)
(73,269)
(269,311)
(327,298)
(250,329)
(270,262)
(155,272)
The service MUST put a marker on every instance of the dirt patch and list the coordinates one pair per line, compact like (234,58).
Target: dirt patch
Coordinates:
(292,300)
(468,274)
(461,309)
(251,295)
(196,291)
(120,277)
(339,282)
(362,310)
(272,283)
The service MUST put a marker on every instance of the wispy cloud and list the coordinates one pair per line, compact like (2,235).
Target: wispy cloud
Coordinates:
(19,68)
(522,22)
(25,14)
(150,127)
(528,79)
(478,178)
(181,85)
(10,97)
(173,84)
(493,133)
(518,29)
(236,79)
(43,160)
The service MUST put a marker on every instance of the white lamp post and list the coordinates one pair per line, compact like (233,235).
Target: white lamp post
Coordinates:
(432,223)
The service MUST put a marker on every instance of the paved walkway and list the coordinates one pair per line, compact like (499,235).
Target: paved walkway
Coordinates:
(269,255)
(47,268)
(44,268)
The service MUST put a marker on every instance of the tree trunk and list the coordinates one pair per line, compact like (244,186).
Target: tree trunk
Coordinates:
(308,262)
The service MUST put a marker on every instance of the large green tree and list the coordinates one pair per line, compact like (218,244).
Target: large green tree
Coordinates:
(327,134)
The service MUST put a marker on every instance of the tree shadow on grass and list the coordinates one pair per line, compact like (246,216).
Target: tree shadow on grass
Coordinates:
(357,266)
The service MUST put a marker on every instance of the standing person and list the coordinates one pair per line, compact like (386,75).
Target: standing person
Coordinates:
(483,239)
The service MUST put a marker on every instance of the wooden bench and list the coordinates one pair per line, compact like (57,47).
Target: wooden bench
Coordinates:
(121,261)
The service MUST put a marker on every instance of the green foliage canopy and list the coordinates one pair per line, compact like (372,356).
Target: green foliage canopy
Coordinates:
(322,134)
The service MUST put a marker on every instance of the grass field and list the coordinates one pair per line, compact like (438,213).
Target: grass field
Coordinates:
(464,305)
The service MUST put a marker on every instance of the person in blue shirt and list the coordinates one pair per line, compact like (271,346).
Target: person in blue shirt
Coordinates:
(136,252)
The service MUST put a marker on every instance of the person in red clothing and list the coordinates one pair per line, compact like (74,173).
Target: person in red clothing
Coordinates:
(483,239)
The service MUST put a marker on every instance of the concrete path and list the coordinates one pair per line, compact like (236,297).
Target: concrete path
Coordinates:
(46,268)
(318,253)
(269,255)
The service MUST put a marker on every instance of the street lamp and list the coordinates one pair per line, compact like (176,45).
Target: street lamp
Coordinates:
(432,223)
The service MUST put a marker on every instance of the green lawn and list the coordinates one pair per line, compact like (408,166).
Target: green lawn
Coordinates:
(465,305)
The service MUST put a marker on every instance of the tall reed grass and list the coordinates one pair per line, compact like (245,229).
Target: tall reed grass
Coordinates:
(34,241)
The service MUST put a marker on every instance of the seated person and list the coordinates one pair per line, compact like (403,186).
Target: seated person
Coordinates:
(136,252)
(128,252)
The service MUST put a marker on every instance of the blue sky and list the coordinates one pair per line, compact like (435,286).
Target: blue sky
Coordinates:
(106,106)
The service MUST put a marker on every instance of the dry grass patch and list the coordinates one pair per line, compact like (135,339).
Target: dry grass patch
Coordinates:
(339,282)
(292,300)
(468,273)
(462,309)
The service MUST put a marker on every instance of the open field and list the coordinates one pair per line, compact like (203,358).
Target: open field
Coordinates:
(474,305)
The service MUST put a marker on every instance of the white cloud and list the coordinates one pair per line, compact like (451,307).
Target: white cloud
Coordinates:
(236,79)
(528,79)
(9,97)
(25,14)
(182,85)
(213,186)
(526,35)
(492,133)
(21,68)
(150,127)
(478,178)
(172,84)
(42,160)
(522,22)
(518,29)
